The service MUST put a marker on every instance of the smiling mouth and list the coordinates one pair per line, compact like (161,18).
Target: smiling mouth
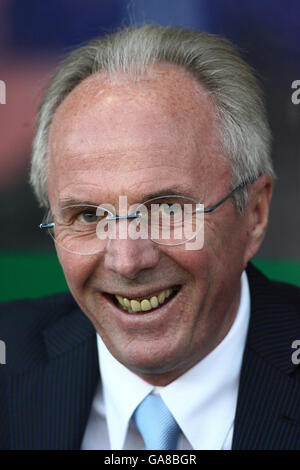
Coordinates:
(147,304)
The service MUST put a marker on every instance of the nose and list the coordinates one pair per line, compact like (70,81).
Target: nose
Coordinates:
(129,257)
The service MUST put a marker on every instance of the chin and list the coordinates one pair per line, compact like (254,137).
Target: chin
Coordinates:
(149,358)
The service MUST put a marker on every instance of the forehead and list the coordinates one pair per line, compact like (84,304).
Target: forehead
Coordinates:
(124,134)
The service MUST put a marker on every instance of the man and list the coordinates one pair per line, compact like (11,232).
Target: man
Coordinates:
(154,331)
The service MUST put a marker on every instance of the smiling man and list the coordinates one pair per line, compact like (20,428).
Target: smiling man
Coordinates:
(160,345)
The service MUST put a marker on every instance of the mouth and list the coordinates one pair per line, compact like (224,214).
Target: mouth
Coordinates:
(142,305)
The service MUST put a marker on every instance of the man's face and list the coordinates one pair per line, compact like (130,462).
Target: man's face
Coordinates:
(136,138)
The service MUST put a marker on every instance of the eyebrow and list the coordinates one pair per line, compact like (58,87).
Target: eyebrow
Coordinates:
(75,202)
(172,190)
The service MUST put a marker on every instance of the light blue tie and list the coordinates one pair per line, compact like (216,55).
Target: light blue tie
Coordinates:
(156,424)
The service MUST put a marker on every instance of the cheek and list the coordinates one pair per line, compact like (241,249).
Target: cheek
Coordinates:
(196,263)
(225,244)
(77,268)
(207,266)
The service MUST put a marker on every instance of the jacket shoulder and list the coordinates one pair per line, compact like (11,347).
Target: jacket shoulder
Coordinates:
(278,294)
(22,323)
(28,312)
(21,330)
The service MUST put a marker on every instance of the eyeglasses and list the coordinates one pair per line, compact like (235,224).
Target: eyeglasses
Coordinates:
(167,220)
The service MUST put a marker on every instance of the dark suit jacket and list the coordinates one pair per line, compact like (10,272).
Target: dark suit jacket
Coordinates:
(49,380)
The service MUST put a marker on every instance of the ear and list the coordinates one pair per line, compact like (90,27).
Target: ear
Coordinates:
(257,214)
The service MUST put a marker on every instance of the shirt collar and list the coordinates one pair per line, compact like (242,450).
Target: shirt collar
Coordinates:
(119,406)
(208,390)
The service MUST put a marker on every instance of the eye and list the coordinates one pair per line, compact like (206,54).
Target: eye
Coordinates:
(170,208)
(87,217)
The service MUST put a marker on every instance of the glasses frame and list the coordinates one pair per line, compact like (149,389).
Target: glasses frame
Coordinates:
(209,210)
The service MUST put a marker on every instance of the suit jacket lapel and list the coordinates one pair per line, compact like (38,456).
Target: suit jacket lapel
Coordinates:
(268,408)
(50,404)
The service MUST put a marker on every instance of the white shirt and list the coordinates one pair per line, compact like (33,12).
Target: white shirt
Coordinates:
(202,400)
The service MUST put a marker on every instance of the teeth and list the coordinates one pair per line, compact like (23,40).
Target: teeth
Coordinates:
(120,300)
(145,305)
(161,297)
(154,302)
(135,306)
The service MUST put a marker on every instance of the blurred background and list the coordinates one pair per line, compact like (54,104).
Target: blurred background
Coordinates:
(35,35)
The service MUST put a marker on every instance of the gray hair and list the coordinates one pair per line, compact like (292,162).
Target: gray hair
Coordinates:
(213,61)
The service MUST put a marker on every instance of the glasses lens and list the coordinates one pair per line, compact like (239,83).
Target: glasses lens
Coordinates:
(170,220)
(81,229)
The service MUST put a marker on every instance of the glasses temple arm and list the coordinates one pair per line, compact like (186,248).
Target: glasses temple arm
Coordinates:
(237,188)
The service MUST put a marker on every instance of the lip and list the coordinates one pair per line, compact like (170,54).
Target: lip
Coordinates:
(158,312)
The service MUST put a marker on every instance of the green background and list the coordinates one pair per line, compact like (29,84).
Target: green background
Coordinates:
(30,275)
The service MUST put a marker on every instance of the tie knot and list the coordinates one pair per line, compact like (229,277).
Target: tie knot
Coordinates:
(156,424)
